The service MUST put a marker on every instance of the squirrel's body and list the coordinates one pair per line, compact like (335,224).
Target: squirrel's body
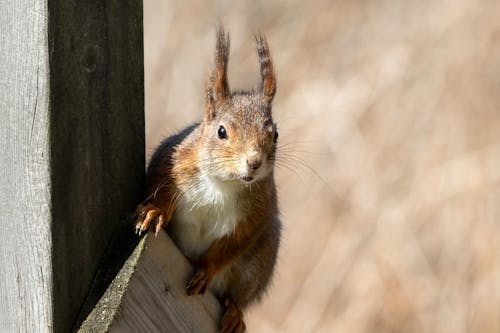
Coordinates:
(214,181)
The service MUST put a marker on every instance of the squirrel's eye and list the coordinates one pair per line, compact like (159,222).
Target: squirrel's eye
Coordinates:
(275,139)
(222,132)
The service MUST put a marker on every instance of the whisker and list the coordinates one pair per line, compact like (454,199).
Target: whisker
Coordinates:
(295,171)
(286,157)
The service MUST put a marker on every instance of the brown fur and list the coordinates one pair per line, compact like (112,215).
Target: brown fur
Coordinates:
(238,264)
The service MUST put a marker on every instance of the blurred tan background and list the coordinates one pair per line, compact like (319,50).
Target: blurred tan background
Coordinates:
(391,110)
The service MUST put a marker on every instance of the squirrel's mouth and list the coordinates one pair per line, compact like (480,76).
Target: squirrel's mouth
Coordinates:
(247,178)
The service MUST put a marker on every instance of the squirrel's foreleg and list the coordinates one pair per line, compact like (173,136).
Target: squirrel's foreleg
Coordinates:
(148,212)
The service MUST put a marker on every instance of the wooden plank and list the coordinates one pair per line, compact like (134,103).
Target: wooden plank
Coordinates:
(25,280)
(97,133)
(72,162)
(148,295)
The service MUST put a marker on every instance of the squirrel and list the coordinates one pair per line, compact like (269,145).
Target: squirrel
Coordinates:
(214,183)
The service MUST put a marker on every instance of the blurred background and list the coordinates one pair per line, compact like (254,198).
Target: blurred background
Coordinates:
(391,111)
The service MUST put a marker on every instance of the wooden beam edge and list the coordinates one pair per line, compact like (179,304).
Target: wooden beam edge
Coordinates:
(104,311)
(148,295)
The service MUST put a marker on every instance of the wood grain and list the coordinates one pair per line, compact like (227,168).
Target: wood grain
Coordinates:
(97,133)
(72,161)
(148,295)
(25,274)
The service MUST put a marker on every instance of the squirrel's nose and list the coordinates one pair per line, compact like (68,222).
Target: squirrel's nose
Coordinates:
(254,160)
(254,163)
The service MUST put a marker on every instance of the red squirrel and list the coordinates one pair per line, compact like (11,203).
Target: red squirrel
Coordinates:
(213,184)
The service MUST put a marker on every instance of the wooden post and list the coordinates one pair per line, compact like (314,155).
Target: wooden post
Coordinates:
(72,160)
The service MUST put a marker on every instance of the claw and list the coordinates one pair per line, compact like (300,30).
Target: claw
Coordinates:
(146,214)
(159,224)
(198,284)
(232,322)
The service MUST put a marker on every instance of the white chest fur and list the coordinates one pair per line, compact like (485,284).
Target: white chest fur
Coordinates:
(207,211)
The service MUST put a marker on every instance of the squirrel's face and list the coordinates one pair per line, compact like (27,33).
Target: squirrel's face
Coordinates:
(239,136)
(240,141)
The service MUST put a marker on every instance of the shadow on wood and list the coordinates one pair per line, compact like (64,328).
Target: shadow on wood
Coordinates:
(148,295)
(72,161)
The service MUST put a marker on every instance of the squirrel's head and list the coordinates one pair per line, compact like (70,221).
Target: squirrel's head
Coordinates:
(238,130)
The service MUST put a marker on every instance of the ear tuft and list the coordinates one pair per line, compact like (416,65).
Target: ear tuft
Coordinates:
(217,88)
(268,77)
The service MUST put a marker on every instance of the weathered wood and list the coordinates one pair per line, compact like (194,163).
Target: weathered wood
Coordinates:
(148,295)
(25,277)
(72,162)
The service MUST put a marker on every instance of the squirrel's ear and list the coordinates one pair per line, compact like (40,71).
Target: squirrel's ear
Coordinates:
(268,78)
(217,89)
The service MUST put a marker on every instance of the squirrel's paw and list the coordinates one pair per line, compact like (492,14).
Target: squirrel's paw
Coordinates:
(146,214)
(232,322)
(198,283)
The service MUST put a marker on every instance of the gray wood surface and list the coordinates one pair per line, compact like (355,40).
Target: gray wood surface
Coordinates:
(25,250)
(148,295)
(72,161)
